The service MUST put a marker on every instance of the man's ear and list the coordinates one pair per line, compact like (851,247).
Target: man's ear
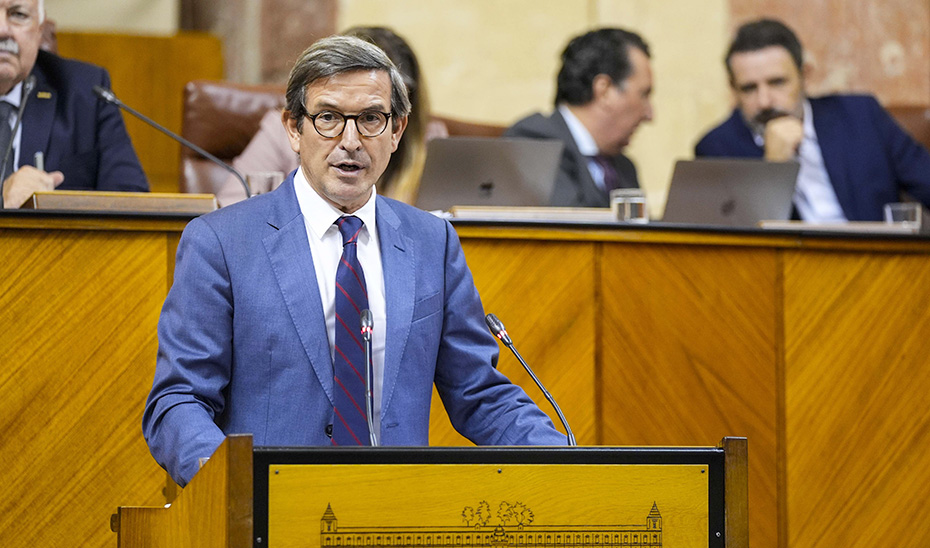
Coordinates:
(600,85)
(807,70)
(397,131)
(290,126)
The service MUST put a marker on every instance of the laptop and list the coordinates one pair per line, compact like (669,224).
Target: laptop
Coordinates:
(476,171)
(730,192)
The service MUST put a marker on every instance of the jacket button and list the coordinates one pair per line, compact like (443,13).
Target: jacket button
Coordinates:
(329,430)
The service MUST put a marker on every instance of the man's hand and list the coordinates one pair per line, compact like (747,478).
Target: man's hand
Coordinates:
(782,138)
(20,186)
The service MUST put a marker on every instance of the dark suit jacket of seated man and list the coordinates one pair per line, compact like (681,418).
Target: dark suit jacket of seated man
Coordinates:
(245,333)
(603,94)
(79,135)
(849,143)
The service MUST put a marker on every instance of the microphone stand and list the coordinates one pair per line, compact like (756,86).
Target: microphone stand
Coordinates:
(108,96)
(367,324)
(497,329)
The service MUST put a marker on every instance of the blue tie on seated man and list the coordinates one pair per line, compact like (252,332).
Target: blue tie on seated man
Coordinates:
(854,157)
(82,143)
(251,335)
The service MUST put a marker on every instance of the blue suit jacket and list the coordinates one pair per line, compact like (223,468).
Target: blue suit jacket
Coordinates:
(868,157)
(243,345)
(574,186)
(79,135)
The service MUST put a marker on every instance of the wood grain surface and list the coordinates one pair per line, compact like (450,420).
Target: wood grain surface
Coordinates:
(544,293)
(689,355)
(857,379)
(78,345)
(811,346)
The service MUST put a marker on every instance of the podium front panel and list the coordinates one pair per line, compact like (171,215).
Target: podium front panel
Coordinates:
(488,497)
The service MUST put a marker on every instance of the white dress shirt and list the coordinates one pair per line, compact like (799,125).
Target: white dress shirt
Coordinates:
(326,250)
(585,143)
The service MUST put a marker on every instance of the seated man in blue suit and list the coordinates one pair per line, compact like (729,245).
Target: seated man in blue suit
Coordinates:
(260,331)
(854,158)
(83,142)
(602,96)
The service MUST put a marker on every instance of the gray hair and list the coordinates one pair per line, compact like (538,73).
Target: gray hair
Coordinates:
(335,55)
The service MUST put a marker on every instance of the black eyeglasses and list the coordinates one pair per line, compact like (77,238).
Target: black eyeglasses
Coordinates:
(330,124)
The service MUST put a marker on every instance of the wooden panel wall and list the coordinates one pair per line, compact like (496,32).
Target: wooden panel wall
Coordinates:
(689,355)
(148,73)
(78,346)
(857,379)
(545,293)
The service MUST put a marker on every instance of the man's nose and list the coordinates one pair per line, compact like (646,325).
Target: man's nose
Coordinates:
(650,113)
(351,138)
(764,98)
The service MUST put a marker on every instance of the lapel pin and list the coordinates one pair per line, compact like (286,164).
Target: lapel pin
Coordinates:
(43,95)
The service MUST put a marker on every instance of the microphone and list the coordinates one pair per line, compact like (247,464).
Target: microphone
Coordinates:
(366,327)
(498,330)
(28,85)
(108,96)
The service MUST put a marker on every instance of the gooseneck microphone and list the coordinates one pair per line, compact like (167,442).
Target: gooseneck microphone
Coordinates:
(28,86)
(498,330)
(366,327)
(108,96)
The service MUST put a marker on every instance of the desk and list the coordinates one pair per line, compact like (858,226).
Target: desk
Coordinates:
(811,345)
(80,297)
(814,346)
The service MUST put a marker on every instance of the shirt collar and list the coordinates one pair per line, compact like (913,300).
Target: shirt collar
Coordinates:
(808,121)
(15,96)
(319,215)
(581,135)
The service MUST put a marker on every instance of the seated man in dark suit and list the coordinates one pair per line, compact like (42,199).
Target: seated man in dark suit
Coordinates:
(83,143)
(854,158)
(260,332)
(603,94)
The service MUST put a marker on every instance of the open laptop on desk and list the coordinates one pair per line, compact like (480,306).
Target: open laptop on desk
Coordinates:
(730,192)
(476,171)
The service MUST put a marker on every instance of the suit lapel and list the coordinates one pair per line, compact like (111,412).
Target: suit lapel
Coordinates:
(37,119)
(591,192)
(399,263)
(833,141)
(289,253)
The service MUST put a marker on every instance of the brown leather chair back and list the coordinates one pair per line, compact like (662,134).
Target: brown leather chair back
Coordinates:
(914,119)
(461,128)
(220,117)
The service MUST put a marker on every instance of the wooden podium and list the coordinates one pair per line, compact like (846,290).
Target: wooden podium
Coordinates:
(565,496)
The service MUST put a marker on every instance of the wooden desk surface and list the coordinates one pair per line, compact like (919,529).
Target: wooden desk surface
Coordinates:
(811,345)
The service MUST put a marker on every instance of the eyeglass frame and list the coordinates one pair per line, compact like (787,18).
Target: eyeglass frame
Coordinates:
(345,120)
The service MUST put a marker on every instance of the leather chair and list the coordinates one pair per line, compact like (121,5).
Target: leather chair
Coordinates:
(221,117)
(914,119)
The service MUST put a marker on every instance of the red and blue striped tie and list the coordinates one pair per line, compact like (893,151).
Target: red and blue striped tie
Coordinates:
(350,426)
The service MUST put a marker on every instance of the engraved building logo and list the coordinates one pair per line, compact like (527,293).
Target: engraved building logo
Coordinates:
(511,525)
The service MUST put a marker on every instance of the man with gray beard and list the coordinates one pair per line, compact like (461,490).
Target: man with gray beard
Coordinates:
(67,138)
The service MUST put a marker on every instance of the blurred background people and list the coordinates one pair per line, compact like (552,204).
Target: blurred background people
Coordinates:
(269,149)
(854,157)
(67,139)
(603,95)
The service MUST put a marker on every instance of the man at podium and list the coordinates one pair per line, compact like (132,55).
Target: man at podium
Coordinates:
(261,331)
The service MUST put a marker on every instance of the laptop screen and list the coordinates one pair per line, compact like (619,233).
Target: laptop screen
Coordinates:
(476,171)
(730,192)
